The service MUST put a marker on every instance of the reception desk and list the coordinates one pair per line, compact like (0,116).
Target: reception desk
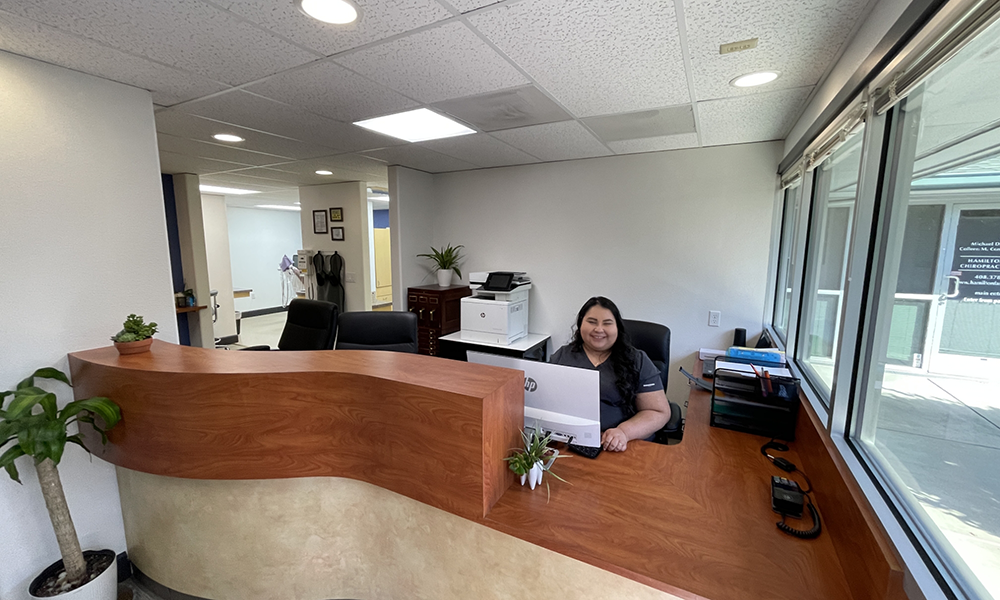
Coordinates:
(379,475)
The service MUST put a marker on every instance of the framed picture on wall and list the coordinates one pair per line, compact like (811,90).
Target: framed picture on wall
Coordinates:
(336,214)
(319,221)
(337,234)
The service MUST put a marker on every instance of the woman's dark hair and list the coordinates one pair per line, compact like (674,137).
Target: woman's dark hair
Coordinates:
(622,352)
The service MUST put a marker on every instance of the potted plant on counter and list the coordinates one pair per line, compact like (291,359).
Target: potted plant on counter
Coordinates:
(535,459)
(446,260)
(136,335)
(31,421)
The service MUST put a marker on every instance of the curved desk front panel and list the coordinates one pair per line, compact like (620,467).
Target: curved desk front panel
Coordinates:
(408,423)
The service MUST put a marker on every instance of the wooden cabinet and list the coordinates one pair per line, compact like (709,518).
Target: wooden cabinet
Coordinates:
(383,266)
(439,312)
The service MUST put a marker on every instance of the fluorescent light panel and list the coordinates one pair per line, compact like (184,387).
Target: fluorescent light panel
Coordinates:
(324,172)
(228,137)
(214,189)
(279,207)
(416,126)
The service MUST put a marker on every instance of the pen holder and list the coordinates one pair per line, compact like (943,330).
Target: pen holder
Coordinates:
(776,390)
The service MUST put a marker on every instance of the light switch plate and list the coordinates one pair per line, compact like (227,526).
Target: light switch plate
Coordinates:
(351,277)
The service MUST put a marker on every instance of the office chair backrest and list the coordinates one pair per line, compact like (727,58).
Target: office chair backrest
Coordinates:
(395,331)
(654,340)
(310,325)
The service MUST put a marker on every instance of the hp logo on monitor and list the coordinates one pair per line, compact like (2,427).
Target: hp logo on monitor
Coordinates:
(529,384)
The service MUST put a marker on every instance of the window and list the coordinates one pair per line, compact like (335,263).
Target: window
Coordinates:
(786,252)
(835,191)
(928,416)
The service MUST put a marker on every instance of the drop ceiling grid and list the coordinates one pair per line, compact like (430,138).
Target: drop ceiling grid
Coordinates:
(757,118)
(256,112)
(465,6)
(197,128)
(168,85)
(212,42)
(435,64)
(554,141)
(420,158)
(481,150)
(380,19)
(593,57)
(798,38)
(330,90)
(231,153)
(656,144)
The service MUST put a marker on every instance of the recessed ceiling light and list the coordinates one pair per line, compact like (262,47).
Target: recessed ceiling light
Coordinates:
(227,137)
(416,126)
(324,172)
(338,12)
(754,79)
(214,189)
(278,207)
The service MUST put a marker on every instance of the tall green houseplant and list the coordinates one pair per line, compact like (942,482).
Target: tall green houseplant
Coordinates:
(32,425)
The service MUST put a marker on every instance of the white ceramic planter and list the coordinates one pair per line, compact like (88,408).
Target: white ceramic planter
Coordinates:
(104,587)
(535,474)
(444,277)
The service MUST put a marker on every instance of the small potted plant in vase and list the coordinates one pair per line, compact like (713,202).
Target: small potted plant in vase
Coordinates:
(446,260)
(32,421)
(535,459)
(136,335)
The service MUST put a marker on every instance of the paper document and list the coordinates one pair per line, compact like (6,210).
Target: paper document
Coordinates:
(748,370)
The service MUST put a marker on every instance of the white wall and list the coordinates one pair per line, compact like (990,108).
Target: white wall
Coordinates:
(83,243)
(411,219)
(220,271)
(352,197)
(258,238)
(668,236)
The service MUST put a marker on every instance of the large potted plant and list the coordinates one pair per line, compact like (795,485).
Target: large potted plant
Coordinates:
(32,425)
(446,260)
(136,335)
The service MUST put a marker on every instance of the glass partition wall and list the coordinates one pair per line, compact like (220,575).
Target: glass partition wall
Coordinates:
(918,396)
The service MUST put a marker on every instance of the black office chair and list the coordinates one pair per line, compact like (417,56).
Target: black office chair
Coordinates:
(395,331)
(310,325)
(654,340)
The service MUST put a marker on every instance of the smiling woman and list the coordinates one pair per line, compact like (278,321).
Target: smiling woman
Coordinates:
(633,403)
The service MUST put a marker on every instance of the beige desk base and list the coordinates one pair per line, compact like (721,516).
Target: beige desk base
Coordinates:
(327,537)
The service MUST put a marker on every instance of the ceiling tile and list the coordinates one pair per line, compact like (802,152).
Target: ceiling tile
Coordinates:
(757,118)
(197,128)
(332,91)
(481,150)
(554,141)
(187,34)
(596,58)
(171,162)
(230,153)
(799,38)
(256,112)
(505,109)
(298,179)
(231,179)
(422,159)
(167,85)
(655,144)
(344,166)
(661,122)
(467,5)
(379,19)
(445,62)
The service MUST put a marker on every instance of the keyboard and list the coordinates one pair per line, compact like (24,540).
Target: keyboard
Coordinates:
(587,451)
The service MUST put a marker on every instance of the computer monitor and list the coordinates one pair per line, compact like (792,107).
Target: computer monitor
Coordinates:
(564,401)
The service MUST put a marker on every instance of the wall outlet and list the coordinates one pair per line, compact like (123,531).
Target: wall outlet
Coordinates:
(714,318)
(351,277)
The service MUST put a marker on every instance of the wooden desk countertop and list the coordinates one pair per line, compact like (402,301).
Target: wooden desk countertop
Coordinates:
(692,519)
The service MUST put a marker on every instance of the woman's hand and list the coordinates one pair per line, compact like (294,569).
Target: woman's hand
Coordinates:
(614,440)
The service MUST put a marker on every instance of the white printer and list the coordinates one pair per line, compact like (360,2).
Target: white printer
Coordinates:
(497,310)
